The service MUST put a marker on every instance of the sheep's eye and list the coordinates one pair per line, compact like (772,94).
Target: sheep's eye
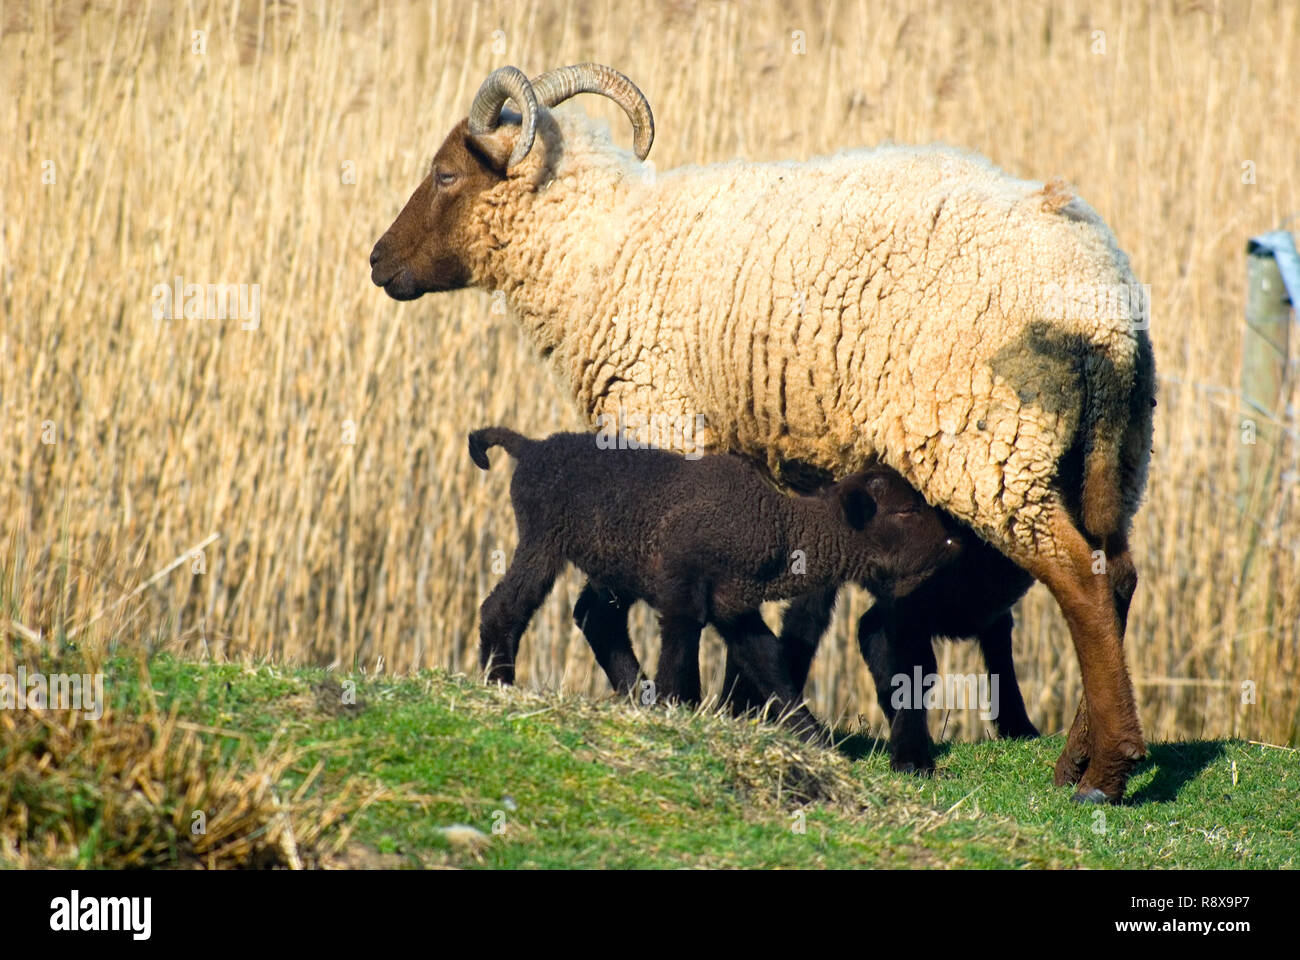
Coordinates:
(445,178)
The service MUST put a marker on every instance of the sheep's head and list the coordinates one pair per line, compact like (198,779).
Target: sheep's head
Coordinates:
(425,249)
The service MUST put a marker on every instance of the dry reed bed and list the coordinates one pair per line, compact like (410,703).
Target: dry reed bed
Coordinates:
(230,165)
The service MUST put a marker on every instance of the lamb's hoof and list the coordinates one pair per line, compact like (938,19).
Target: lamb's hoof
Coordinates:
(1027,732)
(1090,795)
(925,769)
(813,733)
(685,703)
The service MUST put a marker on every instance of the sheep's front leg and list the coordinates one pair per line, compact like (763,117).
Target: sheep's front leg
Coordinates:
(761,675)
(995,643)
(505,613)
(737,692)
(601,615)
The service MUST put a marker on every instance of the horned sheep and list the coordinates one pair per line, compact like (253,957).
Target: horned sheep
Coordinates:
(914,304)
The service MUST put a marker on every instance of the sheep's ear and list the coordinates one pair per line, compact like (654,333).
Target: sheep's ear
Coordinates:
(855,506)
(493,149)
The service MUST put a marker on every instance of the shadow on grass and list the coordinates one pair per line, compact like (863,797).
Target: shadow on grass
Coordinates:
(1177,764)
(861,746)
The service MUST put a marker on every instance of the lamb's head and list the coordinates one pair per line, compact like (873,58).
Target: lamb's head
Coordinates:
(897,540)
(429,247)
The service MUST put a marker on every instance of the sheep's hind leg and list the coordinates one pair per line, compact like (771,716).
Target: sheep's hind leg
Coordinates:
(761,672)
(995,642)
(505,613)
(1107,735)
(601,615)
(1073,761)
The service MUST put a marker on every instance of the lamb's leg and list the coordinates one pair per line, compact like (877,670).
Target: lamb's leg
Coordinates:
(683,611)
(601,615)
(505,613)
(737,692)
(678,675)
(995,643)
(1107,726)
(873,641)
(802,629)
(909,653)
(762,673)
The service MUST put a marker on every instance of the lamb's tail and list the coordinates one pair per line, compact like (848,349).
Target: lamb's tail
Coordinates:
(481,441)
(1116,432)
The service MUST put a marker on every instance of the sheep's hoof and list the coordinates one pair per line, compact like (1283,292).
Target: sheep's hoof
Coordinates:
(1090,795)
(1069,770)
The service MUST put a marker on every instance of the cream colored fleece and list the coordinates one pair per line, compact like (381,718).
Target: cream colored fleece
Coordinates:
(900,302)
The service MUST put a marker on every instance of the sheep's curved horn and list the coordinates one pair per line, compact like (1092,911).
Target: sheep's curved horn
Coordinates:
(502,84)
(556,86)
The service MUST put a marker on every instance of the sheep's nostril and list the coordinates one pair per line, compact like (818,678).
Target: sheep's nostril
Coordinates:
(374,255)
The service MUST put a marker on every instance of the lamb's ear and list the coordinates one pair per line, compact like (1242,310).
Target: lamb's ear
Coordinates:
(856,507)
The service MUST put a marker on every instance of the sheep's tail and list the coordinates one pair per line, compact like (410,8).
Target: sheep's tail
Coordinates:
(1117,438)
(1115,428)
(1102,497)
(481,441)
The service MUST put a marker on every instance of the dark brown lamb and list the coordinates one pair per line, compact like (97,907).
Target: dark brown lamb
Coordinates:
(702,541)
(970,598)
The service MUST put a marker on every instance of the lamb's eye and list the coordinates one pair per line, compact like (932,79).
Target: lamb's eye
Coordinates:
(445,178)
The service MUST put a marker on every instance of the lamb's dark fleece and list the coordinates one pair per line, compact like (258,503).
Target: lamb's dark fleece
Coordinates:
(701,541)
(970,598)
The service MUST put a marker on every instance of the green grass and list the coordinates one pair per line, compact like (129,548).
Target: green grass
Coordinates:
(569,782)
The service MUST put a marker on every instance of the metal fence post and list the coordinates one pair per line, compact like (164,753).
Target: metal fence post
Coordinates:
(1273,276)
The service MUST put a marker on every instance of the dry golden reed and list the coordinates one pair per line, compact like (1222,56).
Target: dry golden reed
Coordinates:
(271,144)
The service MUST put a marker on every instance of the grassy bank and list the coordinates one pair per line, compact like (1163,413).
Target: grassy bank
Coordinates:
(439,770)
